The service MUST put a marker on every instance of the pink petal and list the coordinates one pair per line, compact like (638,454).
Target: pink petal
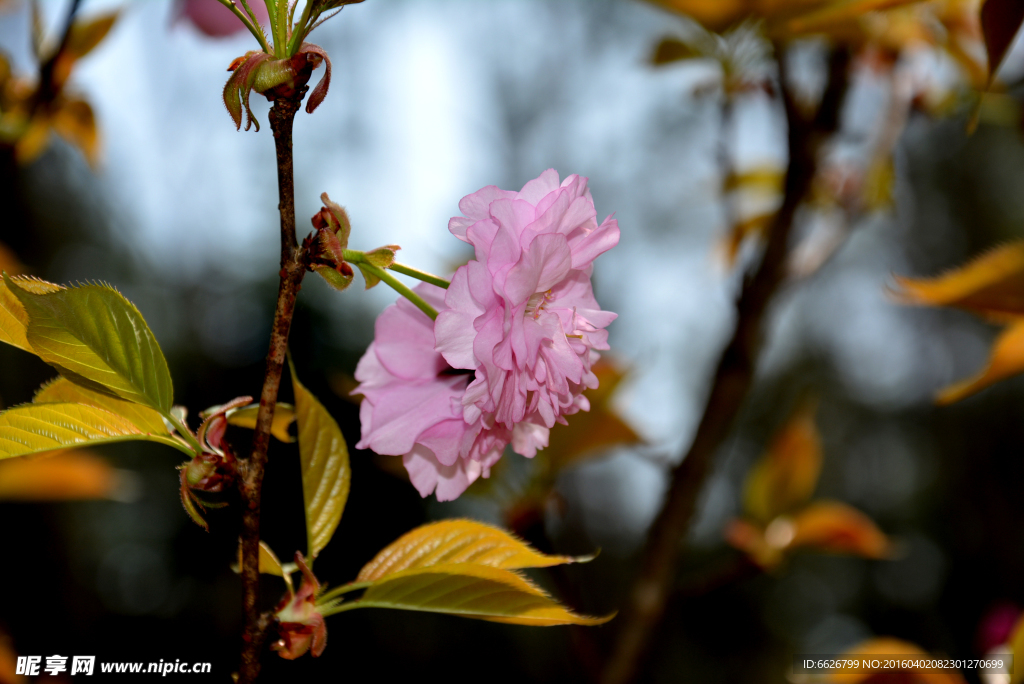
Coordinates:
(544,264)
(587,247)
(540,186)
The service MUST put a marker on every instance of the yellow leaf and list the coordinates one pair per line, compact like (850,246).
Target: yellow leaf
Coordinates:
(33,428)
(1005,360)
(284,415)
(750,539)
(325,469)
(94,336)
(61,390)
(831,17)
(75,122)
(269,564)
(86,34)
(1017,648)
(13,318)
(882,646)
(450,542)
(785,476)
(756,225)
(62,476)
(837,528)
(33,140)
(474,591)
(991,284)
(673,50)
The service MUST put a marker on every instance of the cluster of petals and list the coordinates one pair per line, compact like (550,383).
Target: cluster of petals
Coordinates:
(511,351)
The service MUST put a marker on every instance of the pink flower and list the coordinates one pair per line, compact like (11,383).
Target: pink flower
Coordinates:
(522,315)
(511,350)
(412,404)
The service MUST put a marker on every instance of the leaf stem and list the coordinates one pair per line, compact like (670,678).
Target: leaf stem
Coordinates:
(249,24)
(420,275)
(343,589)
(250,482)
(732,382)
(185,433)
(400,288)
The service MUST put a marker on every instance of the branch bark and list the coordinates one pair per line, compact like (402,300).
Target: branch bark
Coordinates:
(732,381)
(293,268)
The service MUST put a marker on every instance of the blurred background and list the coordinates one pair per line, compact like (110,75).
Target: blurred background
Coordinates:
(429,102)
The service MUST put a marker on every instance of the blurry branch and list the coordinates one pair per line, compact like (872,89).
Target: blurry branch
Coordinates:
(293,268)
(732,381)
(49,86)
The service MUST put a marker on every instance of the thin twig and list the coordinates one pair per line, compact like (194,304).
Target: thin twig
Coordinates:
(732,382)
(282,114)
(48,89)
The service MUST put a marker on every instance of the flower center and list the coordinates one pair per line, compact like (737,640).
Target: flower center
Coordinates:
(536,303)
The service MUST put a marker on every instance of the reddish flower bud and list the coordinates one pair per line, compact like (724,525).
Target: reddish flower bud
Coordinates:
(300,625)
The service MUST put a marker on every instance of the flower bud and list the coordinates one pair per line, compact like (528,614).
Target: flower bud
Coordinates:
(300,624)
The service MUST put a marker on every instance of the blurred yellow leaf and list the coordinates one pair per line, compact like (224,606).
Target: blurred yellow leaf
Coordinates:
(588,432)
(829,17)
(66,475)
(991,284)
(450,542)
(474,591)
(75,122)
(9,261)
(86,34)
(838,528)
(786,475)
(284,416)
(1017,648)
(1005,360)
(882,646)
(673,50)
(8,662)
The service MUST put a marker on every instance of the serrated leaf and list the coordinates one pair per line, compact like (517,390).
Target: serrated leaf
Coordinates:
(13,318)
(284,415)
(1005,360)
(1000,21)
(475,591)
(68,475)
(786,475)
(63,391)
(991,284)
(457,541)
(325,468)
(33,428)
(96,337)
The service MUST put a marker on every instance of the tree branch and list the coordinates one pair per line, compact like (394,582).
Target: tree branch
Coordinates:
(250,482)
(732,382)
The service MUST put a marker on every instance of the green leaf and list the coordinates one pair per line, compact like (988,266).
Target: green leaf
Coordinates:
(63,391)
(325,469)
(457,541)
(1000,21)
(284,415)
(13,318)
(97,338)
(33,428)
(475,591)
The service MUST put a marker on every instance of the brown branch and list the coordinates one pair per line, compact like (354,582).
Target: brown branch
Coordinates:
(293,268)
(732,382)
